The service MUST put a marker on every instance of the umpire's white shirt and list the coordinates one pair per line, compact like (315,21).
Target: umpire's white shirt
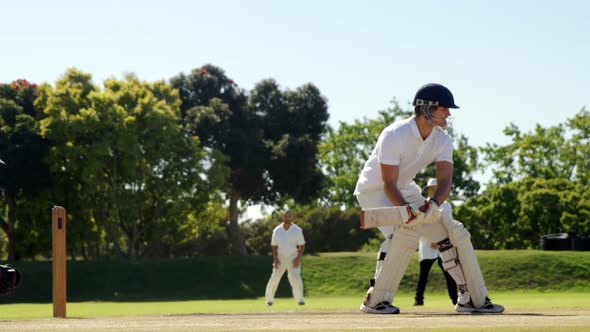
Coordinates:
(287,240)
(401,144)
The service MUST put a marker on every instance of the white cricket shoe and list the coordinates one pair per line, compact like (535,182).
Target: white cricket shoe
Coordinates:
(381,308)
(487,308)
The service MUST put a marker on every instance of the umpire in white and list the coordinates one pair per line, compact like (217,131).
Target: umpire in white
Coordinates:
(288,245)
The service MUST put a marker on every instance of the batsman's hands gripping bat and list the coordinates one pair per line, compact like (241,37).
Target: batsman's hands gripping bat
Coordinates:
(431,211)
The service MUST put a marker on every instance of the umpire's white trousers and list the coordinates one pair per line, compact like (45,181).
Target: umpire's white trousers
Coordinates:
(293,274)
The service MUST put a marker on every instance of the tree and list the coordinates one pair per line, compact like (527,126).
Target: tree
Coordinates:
(122,160)
(540,186)
(578,148)
(492,217)
(559,151)
(292,124)
(269,138)
(465,163)
(216,110)
(515,215)
(23,149)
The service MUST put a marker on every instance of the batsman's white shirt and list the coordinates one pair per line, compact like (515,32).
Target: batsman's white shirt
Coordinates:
(287,240)
(425,250)
(401,144)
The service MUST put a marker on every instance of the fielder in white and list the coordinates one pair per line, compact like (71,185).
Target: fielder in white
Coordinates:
(390,198)
(288,245)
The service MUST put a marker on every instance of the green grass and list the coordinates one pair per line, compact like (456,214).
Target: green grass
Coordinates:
(211,278)
(513,301)
(502,269)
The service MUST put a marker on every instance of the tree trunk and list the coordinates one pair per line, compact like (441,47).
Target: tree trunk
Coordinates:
(8,226)
(116,226)
(110,230)
(237,240)
(84,249)
(132,242)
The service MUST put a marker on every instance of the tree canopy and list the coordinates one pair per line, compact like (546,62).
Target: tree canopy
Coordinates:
(23,150)
(269,137)
(539,186)
(127,171)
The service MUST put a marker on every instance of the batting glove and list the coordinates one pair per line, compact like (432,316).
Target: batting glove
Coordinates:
(431,211)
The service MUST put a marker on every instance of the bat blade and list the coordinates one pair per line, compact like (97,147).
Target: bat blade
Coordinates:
(386,216)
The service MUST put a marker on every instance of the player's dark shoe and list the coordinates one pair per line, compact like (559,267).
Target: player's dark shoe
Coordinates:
(381,308)
(487,308)
(419,302)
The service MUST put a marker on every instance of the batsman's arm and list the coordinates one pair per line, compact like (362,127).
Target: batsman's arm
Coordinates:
(444,179)
(389,175)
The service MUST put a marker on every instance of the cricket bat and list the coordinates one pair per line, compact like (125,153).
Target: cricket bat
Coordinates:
(386,216)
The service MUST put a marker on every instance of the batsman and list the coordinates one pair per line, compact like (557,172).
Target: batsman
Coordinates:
(393,202)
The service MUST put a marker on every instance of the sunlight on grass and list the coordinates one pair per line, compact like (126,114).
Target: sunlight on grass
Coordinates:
(350,303)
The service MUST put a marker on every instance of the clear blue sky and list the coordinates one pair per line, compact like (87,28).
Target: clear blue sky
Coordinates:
(524,62)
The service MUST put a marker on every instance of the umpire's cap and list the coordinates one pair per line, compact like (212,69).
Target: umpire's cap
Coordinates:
(431,183)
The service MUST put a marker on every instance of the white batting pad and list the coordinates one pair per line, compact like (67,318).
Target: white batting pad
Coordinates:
(461,239)
(473,277)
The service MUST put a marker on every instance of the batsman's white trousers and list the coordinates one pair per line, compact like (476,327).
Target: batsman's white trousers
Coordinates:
(293,274)
(404,242)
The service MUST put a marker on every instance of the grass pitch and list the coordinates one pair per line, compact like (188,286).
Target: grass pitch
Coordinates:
(525,311)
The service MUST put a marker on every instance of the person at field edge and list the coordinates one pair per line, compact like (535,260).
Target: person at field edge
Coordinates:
(287,244)
(403,149)
(428,254)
